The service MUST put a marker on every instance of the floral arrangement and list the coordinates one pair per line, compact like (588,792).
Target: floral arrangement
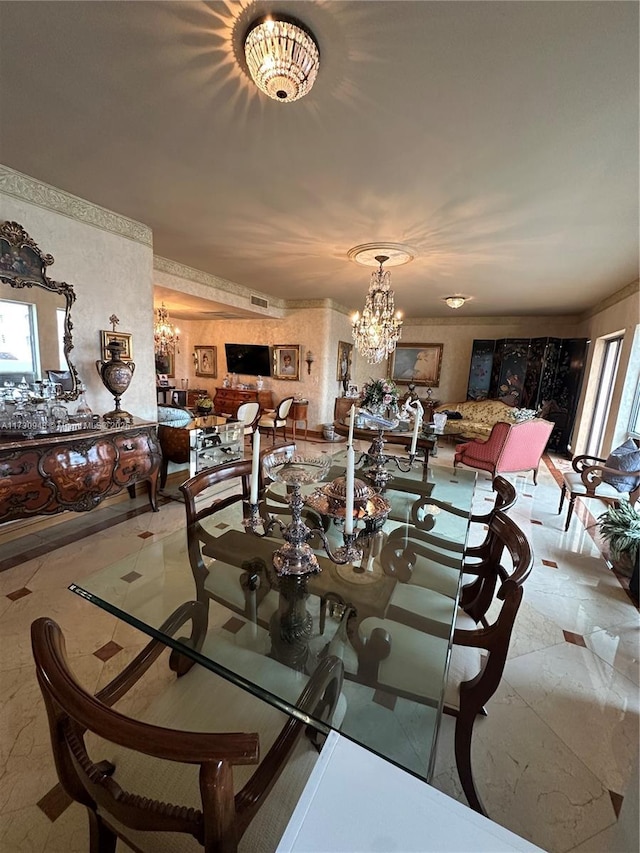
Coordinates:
(379,392)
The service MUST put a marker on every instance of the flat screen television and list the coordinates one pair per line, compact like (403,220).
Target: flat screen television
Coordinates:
(248,359)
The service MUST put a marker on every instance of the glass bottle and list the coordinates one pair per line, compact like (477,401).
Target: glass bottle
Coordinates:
(83,413)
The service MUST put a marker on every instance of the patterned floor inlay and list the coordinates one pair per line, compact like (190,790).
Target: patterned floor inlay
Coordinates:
(616,802)
(576,639)
(131,577)
(145,535)
(380,697)
(233,625)
(550,564)
(54,802)
(535,521)
(106,652)
(19,593)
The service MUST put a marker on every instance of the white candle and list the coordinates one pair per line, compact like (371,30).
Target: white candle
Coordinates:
(416,428)
(255,467)
(352,418)
(348,516)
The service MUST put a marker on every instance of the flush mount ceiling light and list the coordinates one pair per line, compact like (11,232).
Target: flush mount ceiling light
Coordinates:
(456,301)
(282,57)
(377,332)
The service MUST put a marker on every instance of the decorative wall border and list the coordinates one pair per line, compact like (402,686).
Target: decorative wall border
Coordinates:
(44,195)
(609,301)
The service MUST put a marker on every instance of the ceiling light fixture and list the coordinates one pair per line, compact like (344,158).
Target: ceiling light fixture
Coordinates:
(282,56)
(377,332)
(456,301)
(165,335)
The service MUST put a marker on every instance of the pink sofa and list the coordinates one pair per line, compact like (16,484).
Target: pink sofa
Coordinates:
(510,448)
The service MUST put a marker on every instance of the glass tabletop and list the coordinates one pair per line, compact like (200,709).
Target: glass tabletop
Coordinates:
(299,620)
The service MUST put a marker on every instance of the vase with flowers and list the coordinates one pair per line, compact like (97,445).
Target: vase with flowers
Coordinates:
(380,396)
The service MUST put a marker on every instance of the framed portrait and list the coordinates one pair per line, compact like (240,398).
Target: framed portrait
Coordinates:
(417,363)
(126,353)
(206,361)
(345,357)
(165,365)
(286,361)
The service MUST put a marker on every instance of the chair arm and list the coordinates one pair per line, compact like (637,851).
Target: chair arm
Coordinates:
(320,694)
(193,611)
(591,475)
(579,463)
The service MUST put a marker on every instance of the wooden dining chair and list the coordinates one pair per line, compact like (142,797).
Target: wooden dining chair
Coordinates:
(407,661)
(187,776)
(249,415)
(207,495)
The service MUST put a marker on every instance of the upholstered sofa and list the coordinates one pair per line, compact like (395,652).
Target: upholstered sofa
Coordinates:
(478,417)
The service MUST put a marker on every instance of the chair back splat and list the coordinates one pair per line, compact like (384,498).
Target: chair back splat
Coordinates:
(154,758)
(480,642)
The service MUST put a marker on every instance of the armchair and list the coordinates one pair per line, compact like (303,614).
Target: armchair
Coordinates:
(510,448)
(589,480)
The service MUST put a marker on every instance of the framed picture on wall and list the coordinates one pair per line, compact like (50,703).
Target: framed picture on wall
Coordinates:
(166,364)
(345,357)
(286,361)
(417,363)
(206,361)
(124,339)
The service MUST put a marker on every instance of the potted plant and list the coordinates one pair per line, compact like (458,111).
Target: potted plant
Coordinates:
(620,528)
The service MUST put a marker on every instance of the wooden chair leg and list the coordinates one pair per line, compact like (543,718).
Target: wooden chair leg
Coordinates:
(463,735)
(572,500)
(101,838)
(563,492)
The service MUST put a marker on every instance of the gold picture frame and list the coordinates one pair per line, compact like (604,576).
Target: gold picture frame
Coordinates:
(165,365)
(345,359)
(286,361)
(125,339)
(206,361)
(417,363)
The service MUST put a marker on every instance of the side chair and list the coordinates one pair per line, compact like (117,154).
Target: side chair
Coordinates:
(249,415)
(189,776)
(275,419)
(478,654)
(245,591)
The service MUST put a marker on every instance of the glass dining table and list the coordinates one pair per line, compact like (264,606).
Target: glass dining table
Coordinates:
(147,588)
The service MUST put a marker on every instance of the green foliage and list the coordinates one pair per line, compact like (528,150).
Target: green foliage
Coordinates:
(620,527)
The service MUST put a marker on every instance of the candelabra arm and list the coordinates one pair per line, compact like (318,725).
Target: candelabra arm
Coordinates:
(253,519)
(347,553)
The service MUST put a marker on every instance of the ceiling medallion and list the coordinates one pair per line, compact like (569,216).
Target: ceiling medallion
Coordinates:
(456,301)
(377,332)
(282,56)
(396,254)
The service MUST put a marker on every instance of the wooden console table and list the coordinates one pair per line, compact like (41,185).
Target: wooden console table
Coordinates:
(227,400)
(76,471)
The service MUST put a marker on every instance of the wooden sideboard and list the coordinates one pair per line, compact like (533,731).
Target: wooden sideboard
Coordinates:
(227,400)
(76,471)
(342,407)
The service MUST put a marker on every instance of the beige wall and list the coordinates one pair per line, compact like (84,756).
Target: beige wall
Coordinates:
(108,259)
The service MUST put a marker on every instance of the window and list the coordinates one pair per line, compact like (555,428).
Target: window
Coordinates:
(18,356)
(606,380)
(634,421)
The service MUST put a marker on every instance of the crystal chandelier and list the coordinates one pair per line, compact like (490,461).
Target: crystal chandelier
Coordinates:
(377,332)
(455,301)
(282,57)
(165,335)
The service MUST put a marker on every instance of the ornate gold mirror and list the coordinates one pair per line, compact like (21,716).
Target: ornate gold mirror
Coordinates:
(35,316)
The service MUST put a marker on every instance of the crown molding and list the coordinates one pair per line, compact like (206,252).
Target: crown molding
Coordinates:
(50,198)
(170,267)
(486,321)
(624,292)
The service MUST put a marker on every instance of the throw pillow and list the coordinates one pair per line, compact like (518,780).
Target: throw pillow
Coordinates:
(520,415)
(623,458)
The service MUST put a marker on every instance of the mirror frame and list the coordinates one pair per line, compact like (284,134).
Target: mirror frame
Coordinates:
(30,265)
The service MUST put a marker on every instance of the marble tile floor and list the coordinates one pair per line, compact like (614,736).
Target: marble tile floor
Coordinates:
(554,759)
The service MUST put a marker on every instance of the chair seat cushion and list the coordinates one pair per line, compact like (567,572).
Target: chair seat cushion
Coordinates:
(575,486)
(623,458)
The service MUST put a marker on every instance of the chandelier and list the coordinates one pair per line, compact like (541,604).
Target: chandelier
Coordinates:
(165,335)
(377,332)
(282,57)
